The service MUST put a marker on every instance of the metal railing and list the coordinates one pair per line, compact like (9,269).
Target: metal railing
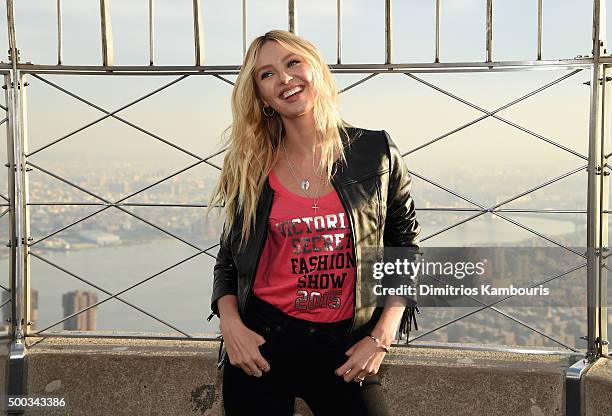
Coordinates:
(22,244)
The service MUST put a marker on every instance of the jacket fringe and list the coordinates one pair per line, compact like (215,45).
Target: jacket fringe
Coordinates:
(408,318)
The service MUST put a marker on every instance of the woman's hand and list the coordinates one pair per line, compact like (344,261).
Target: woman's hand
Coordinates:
(242,346)
(364,360)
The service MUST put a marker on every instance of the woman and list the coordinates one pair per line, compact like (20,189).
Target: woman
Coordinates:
(302,190)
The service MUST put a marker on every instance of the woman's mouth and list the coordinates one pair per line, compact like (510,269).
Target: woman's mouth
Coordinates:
(293,93)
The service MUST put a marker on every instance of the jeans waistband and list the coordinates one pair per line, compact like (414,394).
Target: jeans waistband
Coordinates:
(274,315)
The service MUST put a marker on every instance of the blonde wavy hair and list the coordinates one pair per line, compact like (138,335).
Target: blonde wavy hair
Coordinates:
(252,140)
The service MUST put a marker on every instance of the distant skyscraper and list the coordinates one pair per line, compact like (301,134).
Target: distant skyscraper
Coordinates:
(75,301)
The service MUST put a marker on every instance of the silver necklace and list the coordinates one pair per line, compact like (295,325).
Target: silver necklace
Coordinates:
(304,183)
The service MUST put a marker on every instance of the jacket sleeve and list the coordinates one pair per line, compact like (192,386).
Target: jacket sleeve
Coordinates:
(401,226)
(225,275)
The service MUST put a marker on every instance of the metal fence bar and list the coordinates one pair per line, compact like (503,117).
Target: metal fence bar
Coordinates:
(604,207)
(151,33)
(107,34)
(388,32)
(16,163)
(593,195)
(198,34)
(339,31)
(489,31)
(16,381)
(59,32)
(399,68)
(23,110)
(437,52)
(539,30)
(292,17)
(12,219)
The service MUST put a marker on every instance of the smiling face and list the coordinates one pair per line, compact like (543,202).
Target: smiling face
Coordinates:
(284,80)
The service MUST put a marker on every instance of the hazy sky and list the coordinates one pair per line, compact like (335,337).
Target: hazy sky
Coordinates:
(194,111)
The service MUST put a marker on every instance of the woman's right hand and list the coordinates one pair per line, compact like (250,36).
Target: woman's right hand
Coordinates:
(242,346)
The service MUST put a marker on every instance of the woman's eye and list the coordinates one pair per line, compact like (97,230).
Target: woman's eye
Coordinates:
(265,74)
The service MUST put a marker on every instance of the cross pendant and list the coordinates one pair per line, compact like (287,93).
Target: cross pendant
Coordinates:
(315,207)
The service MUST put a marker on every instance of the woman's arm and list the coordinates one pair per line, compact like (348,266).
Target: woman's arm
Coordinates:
(225,275)
(389,320)
(241,343)
(401,230)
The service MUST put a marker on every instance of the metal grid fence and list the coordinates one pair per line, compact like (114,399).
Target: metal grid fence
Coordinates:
(16,203)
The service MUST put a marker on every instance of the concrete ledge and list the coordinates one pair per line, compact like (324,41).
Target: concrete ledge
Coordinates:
(597,385)
(152,377)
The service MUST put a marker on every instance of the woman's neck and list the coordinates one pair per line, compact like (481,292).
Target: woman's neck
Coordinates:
(300,136)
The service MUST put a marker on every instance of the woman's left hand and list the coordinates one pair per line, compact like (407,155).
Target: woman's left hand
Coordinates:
(364,360)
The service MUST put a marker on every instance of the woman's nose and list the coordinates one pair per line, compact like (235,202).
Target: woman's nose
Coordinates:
(285,78)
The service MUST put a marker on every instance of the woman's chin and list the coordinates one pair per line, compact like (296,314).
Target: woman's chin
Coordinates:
(297,112)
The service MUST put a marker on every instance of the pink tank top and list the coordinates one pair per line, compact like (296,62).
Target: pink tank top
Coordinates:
(307,266)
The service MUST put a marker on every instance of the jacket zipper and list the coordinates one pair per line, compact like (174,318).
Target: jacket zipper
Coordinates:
(348,212)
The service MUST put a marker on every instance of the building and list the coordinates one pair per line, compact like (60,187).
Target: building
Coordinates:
(76,301)
(99,237)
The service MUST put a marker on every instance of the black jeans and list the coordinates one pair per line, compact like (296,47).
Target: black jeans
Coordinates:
(303,357)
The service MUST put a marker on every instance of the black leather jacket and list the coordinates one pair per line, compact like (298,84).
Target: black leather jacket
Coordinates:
(374,187)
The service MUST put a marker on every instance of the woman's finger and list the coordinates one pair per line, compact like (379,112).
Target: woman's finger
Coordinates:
(262,363)
(251,369)
(353,372)
(360,377)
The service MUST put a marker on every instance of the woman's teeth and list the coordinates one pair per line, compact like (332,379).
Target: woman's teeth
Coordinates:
(292,91)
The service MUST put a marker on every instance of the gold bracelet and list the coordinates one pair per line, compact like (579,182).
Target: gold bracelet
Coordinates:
(378,343)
